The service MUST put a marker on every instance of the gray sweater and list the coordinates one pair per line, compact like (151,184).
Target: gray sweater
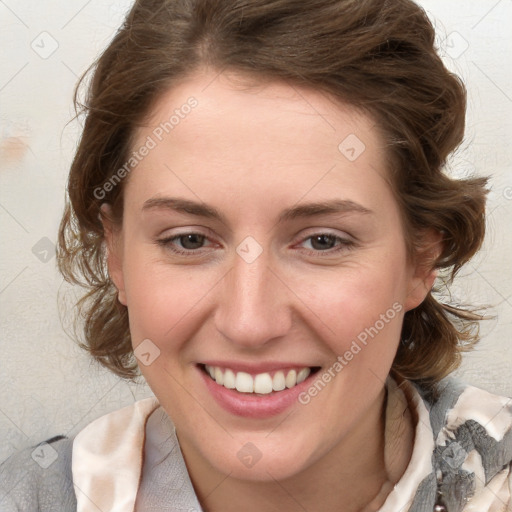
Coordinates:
(26,486)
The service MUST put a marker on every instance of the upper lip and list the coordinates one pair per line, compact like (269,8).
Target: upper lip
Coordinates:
(255,368)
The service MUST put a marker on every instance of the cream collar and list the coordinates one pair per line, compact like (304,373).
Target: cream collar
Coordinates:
(108,454)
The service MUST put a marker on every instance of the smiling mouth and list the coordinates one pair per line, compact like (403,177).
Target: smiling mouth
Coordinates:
(261,383)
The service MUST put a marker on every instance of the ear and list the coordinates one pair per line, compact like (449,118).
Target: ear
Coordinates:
(423,268)
(114,247)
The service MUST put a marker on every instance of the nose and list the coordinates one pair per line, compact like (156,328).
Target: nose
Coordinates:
(252,307)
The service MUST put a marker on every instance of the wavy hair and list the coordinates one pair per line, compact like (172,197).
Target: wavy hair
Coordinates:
(378,56)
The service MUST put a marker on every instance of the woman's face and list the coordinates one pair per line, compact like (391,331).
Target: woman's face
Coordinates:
(261,239)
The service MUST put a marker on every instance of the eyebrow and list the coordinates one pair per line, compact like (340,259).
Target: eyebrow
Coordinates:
(336,206)
(184,206)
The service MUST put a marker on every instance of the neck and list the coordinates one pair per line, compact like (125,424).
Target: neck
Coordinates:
(348,477)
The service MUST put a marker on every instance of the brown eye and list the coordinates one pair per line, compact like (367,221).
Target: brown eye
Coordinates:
(187,244)
(323,242)
(326,244)
(191,241)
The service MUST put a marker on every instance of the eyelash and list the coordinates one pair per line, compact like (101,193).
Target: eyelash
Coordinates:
(166,243)
(344,244)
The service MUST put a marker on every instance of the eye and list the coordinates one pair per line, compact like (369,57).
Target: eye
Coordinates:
(184,243)
(190,241)
(327,243)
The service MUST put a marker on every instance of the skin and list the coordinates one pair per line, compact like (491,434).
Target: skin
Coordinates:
(252,152)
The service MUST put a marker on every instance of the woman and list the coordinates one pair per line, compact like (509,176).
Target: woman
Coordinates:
(258,211)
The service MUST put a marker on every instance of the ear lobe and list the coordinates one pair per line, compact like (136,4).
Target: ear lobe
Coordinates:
(114,248)
(424,271)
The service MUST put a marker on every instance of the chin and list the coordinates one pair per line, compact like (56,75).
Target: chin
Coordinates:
(262,460)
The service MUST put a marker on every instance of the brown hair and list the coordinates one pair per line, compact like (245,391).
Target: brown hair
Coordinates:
(378,56)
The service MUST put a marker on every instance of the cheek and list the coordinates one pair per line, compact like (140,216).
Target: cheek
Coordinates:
(360,303)
(161,299)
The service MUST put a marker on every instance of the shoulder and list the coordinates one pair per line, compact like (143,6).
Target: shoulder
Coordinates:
(39,478)
(460,410)
(473,443)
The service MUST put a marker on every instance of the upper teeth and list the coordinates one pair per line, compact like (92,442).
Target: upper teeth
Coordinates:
(263,383)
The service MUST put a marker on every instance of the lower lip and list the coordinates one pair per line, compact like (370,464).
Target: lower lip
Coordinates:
(250,405)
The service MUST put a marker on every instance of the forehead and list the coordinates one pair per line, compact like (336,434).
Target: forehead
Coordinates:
(235,106)
(225,132)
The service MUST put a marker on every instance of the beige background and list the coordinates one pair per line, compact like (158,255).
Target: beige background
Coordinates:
(47,386)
